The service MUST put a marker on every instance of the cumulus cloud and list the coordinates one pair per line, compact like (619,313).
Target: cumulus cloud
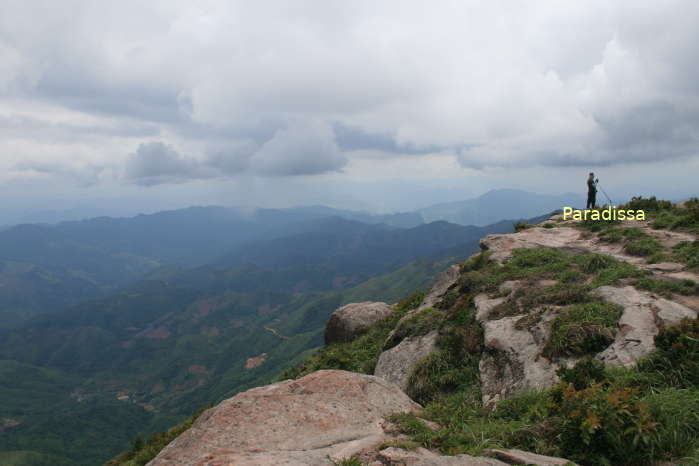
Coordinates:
(286,89)
(301,149)
(157,163)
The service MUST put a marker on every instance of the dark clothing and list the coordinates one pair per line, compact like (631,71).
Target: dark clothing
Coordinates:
(591,193)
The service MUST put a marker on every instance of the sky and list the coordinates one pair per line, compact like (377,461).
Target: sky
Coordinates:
(383,106)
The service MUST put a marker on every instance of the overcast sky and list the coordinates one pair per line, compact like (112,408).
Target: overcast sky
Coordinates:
(383,105)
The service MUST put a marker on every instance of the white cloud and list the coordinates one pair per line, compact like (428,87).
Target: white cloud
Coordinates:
(260,89)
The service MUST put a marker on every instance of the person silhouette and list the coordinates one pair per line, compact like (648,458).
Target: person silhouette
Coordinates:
(591,191)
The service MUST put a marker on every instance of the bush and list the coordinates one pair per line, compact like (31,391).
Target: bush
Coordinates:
(602,425)
(420,323)
(643,247)
(667,288)
(519,226)
(677,355)
(583,329)
(688,252)
(585,373)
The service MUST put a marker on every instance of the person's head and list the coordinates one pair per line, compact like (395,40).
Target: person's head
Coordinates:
(592,175)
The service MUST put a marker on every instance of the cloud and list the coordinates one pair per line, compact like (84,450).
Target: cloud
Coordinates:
(302,149)
(158,163)
(286,89)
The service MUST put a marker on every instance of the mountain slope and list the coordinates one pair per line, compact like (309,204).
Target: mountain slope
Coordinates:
(499,204)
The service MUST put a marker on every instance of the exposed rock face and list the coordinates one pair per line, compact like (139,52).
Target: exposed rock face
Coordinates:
(512,360)
(514,456)
(640,322)
(460,460)
(324,415)
(396,364)
(352,320)
(502,245)
(440,288)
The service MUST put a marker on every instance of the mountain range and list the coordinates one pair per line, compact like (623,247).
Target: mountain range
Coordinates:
(112,327)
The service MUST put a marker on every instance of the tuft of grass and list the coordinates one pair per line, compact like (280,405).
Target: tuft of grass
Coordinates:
(643,247)
(455,366)
(144,450)
(519,226)
(583,329)
(351,461)
(419,323)
(688,253)
(361,354)
(668,288)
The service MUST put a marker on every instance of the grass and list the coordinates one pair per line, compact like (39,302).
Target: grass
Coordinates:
(583,329)
(668,288)
(361,354)
(144,450)
(594,416)
(419,323)
(688,253)
(455,366)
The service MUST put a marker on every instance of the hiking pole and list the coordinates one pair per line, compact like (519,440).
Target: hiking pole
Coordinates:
(605,195)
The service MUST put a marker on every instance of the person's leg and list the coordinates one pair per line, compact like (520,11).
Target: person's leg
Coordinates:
(594,200)
(589,201)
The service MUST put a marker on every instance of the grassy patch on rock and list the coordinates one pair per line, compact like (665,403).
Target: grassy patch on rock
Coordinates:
(359,355)
(583,329)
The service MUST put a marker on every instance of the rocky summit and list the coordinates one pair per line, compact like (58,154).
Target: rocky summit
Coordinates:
(562,343)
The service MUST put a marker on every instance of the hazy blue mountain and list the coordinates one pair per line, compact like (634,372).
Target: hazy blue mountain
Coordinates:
(144,357)
(499,204)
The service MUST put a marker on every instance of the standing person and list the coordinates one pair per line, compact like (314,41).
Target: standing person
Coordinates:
(591,191)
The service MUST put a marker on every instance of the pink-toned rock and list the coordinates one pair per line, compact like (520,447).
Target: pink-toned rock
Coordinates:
(325,415)
(350,321)
(514,456)
(643,315)
(396,364)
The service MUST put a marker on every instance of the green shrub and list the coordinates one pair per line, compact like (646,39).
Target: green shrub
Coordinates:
(583,374)
(419,323)
(519,226)
(688,252)
(643,247)
(583,329)
(142,451)
(677,414)
(667,288)
(677,355)
(476,262)
(602,425)
(650,205)
(410,302)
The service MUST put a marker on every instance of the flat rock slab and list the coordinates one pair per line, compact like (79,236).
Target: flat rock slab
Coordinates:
(324,416)
(514,456)
(513,359)
(396,364)
(460,460)
(644,314)
(352,320)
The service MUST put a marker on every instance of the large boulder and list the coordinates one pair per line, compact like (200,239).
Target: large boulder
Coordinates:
(396,364)
(320,418)
(352,320)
